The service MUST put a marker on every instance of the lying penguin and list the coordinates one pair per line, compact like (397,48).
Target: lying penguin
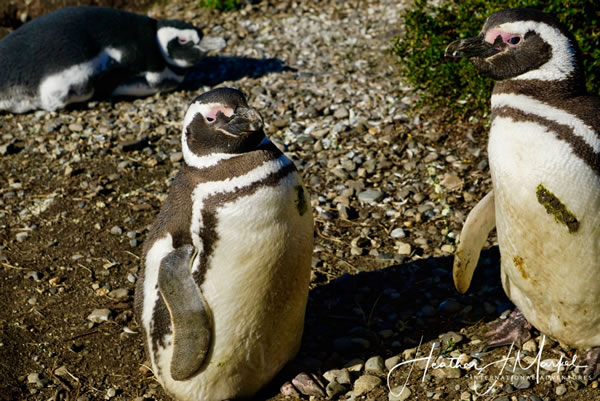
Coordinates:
(227,263)
(74,53)
(544,155)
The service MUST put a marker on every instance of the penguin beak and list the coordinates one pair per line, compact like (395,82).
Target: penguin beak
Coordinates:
(471,47)
(245,121)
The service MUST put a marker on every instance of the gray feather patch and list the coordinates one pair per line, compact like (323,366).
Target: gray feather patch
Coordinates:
(190,320)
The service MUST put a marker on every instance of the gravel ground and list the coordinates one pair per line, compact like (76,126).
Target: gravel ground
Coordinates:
(391,185)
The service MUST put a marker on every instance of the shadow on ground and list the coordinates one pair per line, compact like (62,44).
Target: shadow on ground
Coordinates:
(389,310)
(212,71)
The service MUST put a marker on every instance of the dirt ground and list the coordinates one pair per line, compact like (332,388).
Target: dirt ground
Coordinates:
(74,211)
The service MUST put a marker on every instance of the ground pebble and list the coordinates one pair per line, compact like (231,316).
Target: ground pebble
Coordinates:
(99,315)
(392,361)
(560,390)
(450,306)
(520,382)
(334,388)
(119,293)
(111,392)
(116,230)
(399,393)
(365,383)
(375,366)
(33,275)
(341,376)
(370,196)
(22,236)
(398,233)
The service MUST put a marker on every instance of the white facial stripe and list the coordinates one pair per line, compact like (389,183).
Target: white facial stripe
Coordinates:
(530,105)
(200,162)
(157,252)
(203,191)
(562,63)
(165,34)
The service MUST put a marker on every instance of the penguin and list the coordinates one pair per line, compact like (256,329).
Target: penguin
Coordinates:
(226,265)
(74,53)
(544,157)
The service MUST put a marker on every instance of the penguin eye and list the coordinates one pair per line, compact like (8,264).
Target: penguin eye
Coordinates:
(513,40)
(210,119)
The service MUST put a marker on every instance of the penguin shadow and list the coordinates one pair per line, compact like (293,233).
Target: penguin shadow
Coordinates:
(211,71)
(384,312)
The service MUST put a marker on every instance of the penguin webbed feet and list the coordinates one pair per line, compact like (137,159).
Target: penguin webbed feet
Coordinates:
(591,361)
(190,319)
(514,329)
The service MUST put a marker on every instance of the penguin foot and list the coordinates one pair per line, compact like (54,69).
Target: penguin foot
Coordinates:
(304,383)
(591,360)
(514,329)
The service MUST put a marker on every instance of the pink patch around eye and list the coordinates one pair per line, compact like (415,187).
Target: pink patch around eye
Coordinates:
(491,36)
(212,114)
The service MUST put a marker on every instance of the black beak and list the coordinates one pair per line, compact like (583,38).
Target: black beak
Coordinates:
(471,47)
(245,120)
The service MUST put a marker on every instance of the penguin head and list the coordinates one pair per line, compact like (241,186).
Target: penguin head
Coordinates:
(520,43)
(220,121)
(181,44)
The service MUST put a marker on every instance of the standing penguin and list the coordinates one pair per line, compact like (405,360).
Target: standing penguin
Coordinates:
(227,263)
(544,153)
(72,54)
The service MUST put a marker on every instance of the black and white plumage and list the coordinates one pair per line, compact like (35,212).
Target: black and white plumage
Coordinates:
(544,153)
(227,263)
(72,54)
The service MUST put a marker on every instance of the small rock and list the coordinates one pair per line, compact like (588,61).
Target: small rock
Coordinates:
(399,393)
(119,293)
(99,315)
(520,382)
(397,233)
(33,275)
(450,306)
(403,248)
(334,388)
(428,310)
(370,196)
(341,113)
(450,337)
(560,390)
(116,230)
(308,385)
(465,396)
(391,362)
(375,366)
(452,181)
(176,157)
(36,379)
(111,392)
(354,366)
(288,389)
(62,371)
(364,384)
(75,127)
(530,346)
(342,376)
(22,236)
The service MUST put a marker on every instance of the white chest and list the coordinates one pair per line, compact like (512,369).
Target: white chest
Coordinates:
(549,271)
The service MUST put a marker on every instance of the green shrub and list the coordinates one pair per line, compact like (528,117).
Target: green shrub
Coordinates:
(454,83)
(221,5)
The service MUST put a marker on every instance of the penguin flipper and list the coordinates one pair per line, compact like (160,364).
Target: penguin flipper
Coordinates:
(480,221)
(190,319)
